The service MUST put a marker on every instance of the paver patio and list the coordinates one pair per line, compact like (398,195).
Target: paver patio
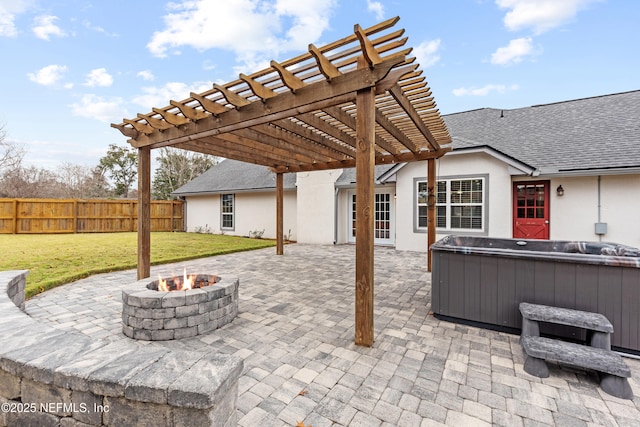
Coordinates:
(295,331)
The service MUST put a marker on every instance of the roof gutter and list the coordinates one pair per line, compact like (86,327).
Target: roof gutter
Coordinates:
(559,173)
(390,173)
(518,165)
(348,185)
(229,191)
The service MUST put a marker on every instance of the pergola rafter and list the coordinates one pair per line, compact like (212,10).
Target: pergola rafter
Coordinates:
(356,102)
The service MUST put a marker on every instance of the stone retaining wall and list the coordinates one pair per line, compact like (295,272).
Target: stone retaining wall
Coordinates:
(50,377)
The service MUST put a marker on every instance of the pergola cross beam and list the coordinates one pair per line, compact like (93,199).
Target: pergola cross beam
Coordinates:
(357,102)
(310,98)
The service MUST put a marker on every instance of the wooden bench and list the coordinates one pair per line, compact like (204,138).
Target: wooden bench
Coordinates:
(597,355)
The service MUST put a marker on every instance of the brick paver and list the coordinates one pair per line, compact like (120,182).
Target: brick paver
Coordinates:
(295,330)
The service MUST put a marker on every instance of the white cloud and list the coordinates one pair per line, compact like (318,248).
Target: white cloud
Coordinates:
(146,75)
(7,26)
(540,15)
(251,63)
(9,10)
(514,52)
(268,27)
(98,29)
(89,26)
(97,107)
(160,96)
(49,75)
(377,8)
(309,19)
(99,77)
(208,65)
(427,53)
(44,26)
(483,91)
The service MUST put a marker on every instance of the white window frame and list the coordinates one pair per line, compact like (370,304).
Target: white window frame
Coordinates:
(224,214)
(448,205)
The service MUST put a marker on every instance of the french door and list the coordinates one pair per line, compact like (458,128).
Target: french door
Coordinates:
(383,221)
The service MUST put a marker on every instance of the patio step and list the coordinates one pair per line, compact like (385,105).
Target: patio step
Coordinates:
(611,368)
(566,316)
(577,355)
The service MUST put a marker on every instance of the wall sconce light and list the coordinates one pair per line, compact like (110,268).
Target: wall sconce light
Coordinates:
(560,191)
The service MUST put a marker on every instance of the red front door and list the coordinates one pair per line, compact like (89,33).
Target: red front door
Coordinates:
(531,210)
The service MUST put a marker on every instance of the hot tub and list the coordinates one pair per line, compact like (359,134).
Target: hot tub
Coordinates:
(483,280)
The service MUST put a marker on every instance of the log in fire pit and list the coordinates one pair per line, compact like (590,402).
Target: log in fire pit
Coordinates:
(178,307)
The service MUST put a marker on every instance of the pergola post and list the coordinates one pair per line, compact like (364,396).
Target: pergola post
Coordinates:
(365,162)
(279,213)
(431,208)
(144,212)
(301,115)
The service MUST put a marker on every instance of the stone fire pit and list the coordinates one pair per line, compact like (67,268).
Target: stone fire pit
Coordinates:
(152,315)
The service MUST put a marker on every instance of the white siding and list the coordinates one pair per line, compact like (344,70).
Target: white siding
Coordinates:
(344,210)
(497,197)
(620,196)
(252,212)
(311,214)
(316,206)
(573,215)
(203,212)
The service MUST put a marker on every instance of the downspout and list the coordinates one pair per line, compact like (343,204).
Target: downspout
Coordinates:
(335,216)
(599,206)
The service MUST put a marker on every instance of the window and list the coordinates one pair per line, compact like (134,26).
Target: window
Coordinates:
(422,204)
(459,204)
(530,200)
(226,212)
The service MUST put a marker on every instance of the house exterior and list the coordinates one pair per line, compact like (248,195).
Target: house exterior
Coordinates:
(563,171)
(237,198)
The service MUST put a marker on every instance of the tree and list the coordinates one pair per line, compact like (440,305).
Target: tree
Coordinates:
(120,164)
(31,182)
(11,154)
(176,168)
(82,182)
(66,181)
(97,185)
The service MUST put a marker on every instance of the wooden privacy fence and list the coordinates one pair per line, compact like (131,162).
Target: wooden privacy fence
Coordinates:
(43,216)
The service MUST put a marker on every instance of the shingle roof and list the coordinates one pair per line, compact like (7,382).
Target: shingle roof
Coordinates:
(349,175)
(591,133)
(231,176)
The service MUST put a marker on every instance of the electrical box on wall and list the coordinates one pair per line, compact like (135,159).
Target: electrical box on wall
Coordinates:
(601,228)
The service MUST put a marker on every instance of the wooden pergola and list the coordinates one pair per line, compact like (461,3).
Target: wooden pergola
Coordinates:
(359,101)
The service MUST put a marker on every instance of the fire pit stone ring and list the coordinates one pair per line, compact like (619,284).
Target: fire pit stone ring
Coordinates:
(151,315)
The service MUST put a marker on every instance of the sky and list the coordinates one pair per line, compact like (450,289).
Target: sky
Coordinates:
(72,67)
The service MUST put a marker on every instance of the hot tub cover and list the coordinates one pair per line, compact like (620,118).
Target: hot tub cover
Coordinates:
(602,253)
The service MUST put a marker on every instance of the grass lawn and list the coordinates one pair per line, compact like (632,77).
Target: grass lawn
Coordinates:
(55,259)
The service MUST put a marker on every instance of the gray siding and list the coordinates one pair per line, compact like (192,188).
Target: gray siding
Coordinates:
(488,289)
